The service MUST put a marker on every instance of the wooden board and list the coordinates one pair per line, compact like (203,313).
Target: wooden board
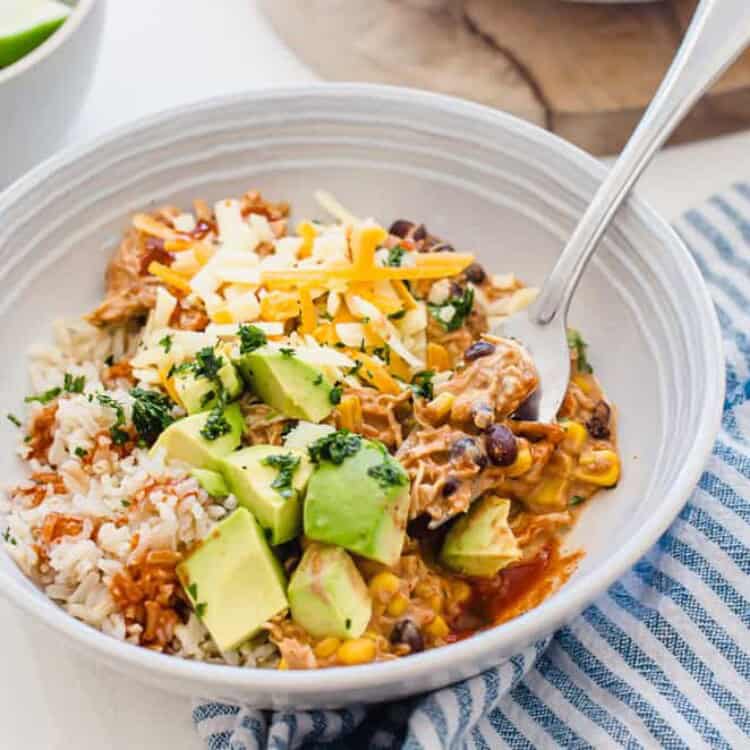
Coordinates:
(586,72)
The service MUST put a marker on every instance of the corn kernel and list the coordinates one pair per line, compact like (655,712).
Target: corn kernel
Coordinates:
(438,357)
(308,231)
(398,605)
(357,651)
(575,436)
(384,585)
(327,647)
(584,382)
(599,467)
(550,494)
(438,628)
(523,460)
(440,407)
(461,592)
(436,602)
(424,589)
(371,634)
(282,664)
(279,306)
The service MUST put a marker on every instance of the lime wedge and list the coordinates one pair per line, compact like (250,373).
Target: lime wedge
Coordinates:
(25,24)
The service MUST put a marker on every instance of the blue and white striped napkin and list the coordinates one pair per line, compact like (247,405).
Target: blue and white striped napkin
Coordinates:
(661,660)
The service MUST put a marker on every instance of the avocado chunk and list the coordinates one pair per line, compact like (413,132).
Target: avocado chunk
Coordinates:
(294,388)
(481,542)
(197,391)
(306,433)
(327,595)
(234,581)
(357,498)
(270,481)
(211,481)
(183,440)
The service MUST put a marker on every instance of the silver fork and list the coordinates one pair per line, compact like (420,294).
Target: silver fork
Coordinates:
(718,33)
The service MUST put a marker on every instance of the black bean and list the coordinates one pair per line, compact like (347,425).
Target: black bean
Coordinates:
(467,446)
(450,486)
(419,233)
(479,349)
(475,273)
(598,425)
(442,247)
(405,631)
(419,527)
(501,445)
(401,227)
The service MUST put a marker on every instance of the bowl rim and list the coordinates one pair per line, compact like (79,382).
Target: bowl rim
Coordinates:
(48,47)
(538,622)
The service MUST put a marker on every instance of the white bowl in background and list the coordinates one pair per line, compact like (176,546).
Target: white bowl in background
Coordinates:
(483,180)
(41,93)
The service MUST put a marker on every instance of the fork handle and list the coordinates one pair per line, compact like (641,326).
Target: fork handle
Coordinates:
(718,33)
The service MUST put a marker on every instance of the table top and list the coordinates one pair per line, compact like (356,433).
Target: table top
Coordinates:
(152,59)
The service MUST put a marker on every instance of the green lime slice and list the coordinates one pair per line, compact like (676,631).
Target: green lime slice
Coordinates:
(25,24)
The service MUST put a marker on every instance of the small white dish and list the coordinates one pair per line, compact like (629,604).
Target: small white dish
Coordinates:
(484,181)
(41,93)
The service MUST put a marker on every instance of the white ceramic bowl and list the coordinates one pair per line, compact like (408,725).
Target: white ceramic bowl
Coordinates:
(41,93)
(485,181)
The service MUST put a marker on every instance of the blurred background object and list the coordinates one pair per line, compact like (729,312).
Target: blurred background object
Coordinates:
(586,71)
(50,62)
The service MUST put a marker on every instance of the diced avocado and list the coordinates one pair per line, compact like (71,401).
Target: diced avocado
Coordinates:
(327,595)
(251,475)
(360,504)
(183,440)
(481,542)
(306,433)
(234,581)
(198,393)
(291,386)
(211,481)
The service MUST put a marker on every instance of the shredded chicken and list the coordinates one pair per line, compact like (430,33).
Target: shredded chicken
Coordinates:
(131,291)
(264,425)
(380,415)
(491,387)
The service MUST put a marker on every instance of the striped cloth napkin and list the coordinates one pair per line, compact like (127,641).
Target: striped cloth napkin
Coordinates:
(661,660)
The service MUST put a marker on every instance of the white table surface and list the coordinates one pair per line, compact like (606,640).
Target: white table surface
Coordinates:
(156,55)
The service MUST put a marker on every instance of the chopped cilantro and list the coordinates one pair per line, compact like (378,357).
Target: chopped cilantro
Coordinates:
(207,364)
(398,314)
(334,395)
(388,474)
(421,384)
(334,447)
(576,500)
(152,413)
(318,379)
(289,425)
(72,384)
(80,452)
(340,345)
(192,589)
(110,360)
(200,610)
(579,346)
(348,623)
(125,503)
(44,398)
(286,351)
(8,538)
(207,398)
(14,419)
(325,315)
(460,306)
(383,352)
(286,464)
(216,425)
(251,338)
(118,435)
(396,256)
(356,368)
(166,343)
